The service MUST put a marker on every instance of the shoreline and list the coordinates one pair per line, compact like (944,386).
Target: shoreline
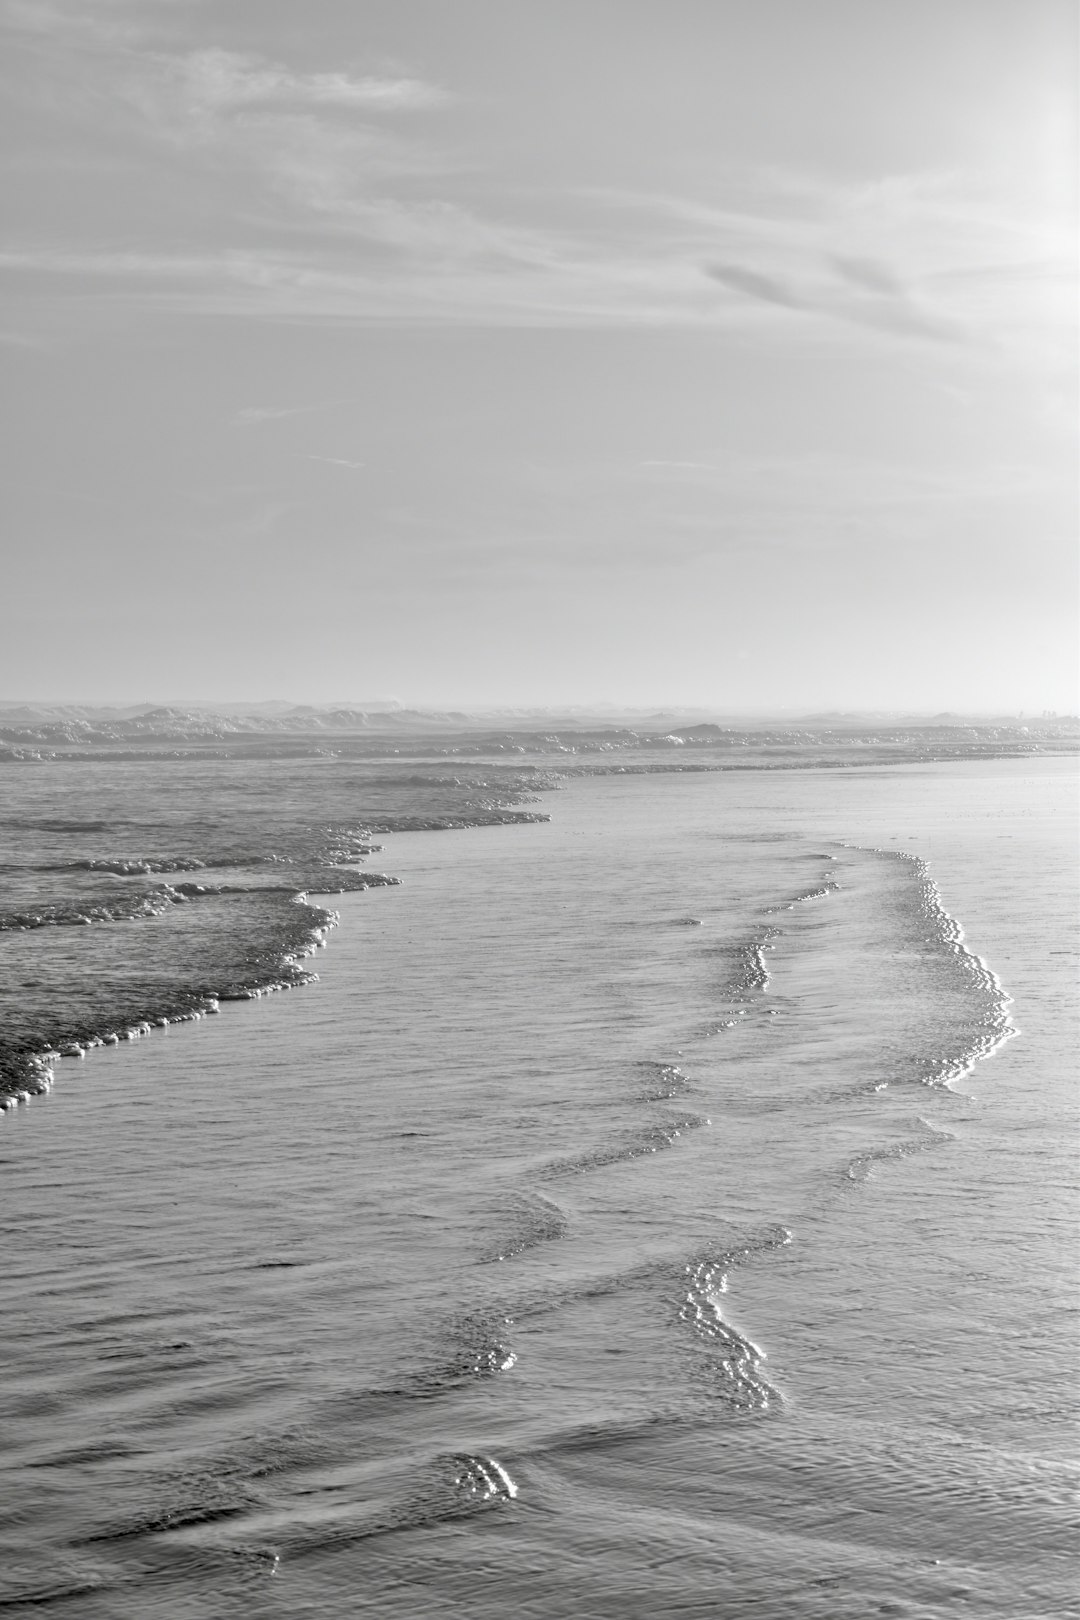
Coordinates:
(36,1071)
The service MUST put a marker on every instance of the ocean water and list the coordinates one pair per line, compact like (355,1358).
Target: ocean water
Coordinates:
(217,854)
(667,1208)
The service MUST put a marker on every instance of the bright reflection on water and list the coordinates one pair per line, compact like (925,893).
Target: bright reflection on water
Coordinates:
(545,1259)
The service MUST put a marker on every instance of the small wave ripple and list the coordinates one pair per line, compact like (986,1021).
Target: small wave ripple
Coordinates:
(529,1220)
(736,1362)
(749,973)
(663,1081)
(652,1138)
(862,1166)
(452,1485)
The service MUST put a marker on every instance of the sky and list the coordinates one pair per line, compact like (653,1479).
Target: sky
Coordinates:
(531,352)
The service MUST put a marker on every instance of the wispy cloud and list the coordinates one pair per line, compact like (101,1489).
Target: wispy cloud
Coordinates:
(24,340)
(865,293)
(79,261)
(682,466)
(869,276)
(756,285)
(337,461)
(224,79)
(252,415)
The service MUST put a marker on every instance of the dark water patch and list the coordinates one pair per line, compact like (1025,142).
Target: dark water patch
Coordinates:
(477,1346)
(528,1219)
(33,1589)
(861,1167)
(55,824)
(83,1456)
(652,1138)
(170,1347)
(179,1517)
(232,1477)
(452,1485)
(190,953)
(197,1491)
(609,1435)
(662,1081)
(346,1508)
(194,1504)
(137,1370)
(734,837)
(438,1358)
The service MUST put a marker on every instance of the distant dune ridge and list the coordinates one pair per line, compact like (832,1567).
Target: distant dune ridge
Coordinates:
(53,730)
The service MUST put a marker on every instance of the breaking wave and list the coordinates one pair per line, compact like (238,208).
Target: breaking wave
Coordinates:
(736,1363)
(966,1007)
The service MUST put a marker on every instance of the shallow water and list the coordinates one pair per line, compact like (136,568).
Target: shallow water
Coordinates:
(613,1229)
(211,858)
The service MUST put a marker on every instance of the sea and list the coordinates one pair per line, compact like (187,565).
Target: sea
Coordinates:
(655,1193)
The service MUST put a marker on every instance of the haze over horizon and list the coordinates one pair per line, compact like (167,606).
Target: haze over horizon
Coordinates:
(386,712)
(706,355)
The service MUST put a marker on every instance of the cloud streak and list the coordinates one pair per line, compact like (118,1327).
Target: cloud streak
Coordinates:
(682,466)
(253,415)
(767,289)
(227,79)
(865,294)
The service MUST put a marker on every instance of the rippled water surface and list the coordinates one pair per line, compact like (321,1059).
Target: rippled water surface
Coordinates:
(647,1212)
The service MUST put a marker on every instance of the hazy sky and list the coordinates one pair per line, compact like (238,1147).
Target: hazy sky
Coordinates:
(536,351)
